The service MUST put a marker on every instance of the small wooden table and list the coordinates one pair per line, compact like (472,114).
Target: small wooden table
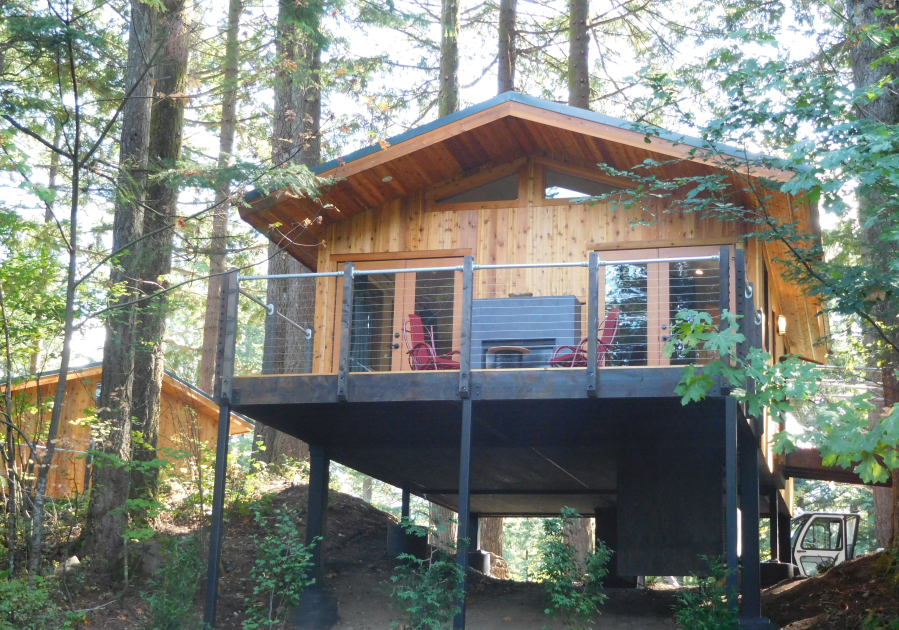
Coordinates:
(508,356)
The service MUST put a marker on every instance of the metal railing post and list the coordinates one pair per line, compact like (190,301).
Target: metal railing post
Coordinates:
(346,325)
(465,349)
(224,394)
(592,323)
(308,351)
(723,301)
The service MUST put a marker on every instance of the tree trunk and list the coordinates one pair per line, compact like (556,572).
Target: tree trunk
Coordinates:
(883,514)
(443,525)
(295,138)
(219,239)
(492,536)
(867,70)
(579,535)
(155,250)
(578,54)
(505,76)
(448,95)
(105,523)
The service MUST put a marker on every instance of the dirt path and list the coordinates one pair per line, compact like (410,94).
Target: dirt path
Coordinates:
(501,606)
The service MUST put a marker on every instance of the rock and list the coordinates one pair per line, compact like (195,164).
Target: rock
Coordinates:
(71,565)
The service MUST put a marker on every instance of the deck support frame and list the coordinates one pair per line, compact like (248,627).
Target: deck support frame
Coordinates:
(464,518)
(224,394)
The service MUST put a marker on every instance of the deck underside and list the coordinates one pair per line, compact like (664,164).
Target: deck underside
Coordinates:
(535,449)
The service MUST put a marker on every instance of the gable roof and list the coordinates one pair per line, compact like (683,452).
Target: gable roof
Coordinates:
(494,132)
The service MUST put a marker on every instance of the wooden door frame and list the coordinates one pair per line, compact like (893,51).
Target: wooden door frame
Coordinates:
(404,293)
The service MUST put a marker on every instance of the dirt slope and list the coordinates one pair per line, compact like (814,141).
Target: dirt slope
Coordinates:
(841,598)
(357,570)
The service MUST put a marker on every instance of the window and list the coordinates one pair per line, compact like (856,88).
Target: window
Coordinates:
(502,189)
(825,534)
(564,186)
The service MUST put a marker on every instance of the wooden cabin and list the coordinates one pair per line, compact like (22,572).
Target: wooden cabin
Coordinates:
(188,417)
(452,267)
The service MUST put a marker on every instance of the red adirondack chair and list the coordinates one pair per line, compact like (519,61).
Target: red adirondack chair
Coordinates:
(577,356)
(422,355)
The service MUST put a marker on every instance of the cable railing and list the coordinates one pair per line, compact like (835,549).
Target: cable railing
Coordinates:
(588,314)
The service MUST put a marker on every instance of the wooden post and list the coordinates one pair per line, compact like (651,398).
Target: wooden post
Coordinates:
(730,498)
(749,511)
(346,334)
(592,324)
(467,305)
(223,393)
(317,511)
(464,508)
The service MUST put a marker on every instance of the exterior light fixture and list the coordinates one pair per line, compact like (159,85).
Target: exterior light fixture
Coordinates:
(700,272)
(387,179)
(781,325)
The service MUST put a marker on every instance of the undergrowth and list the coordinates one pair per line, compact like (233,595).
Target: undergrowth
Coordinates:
(23,607)
(170,603)
(573,585)
(426,591)
(706,608)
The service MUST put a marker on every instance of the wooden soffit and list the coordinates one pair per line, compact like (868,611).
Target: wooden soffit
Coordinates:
(501,130)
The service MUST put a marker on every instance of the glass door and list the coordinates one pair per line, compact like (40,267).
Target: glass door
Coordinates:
(383,303)
(649,295)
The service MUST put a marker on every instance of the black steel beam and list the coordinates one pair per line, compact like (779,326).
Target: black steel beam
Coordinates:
(783,542)
(749,512)
(317,510)
(223,388)
(730,498)
(405,509)
(550,384)
(464,508)
(774,524)
(592,323)
(346,333)
(465,347)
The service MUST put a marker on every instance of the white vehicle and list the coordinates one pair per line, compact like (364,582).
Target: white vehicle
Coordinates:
(821,539)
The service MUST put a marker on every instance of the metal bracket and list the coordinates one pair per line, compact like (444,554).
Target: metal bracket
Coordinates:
(749,290)
(758,317)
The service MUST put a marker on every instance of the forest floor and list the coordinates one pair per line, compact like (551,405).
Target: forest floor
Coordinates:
(862,594)
(358,569)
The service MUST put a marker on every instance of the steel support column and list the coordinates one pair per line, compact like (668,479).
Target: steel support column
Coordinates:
(786,551)
(464,507)
(774,524)
(730,498)
(749,508)
(317,511)
(223,393)
(406,504)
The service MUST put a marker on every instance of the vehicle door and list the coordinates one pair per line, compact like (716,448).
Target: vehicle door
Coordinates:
(820,542)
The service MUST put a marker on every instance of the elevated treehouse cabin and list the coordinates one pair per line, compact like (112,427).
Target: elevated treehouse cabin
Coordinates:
(482,339)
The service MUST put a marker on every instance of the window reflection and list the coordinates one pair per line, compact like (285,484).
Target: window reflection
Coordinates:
(372,331)
(626,288)
(693,285)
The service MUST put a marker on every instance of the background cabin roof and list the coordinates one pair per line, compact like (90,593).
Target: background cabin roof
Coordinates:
(170,382)
(497,131)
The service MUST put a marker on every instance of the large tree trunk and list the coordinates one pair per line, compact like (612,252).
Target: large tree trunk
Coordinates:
(220,213)
(505,76)
(295,138)
(448,94)
(443,525)
(867,70)
(578,54)
(155,250)
(579,535)
(105,523)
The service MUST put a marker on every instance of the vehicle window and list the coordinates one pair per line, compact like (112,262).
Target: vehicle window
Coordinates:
(796,526)
(824,534)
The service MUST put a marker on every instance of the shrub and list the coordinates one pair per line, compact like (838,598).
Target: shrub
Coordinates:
(24,607)
(176,583)
(573,586)
(281,571)
(706,608)
(427,591)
